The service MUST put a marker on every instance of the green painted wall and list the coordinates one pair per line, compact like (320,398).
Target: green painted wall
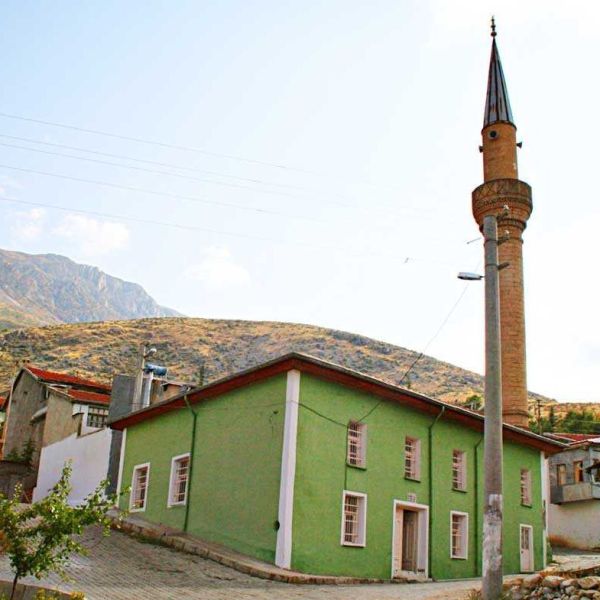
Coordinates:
(235,476)
(235,480)
(322,475)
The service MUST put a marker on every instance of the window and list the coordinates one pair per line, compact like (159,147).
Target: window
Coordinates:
(459,534)
(526,487)
(180,468)
(357,444)
(354,519)
(412,458)
(139,487)
(561,474)
(96,417)
(578,471)
(459,470)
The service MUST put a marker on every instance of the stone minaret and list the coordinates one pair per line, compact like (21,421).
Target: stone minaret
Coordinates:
(502,188)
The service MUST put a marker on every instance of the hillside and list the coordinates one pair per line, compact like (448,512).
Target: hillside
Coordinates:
(221,347)
(44,289)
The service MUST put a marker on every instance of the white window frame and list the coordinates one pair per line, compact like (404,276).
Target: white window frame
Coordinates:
(465,535)
(357,433)
(423,534)
(460,481)
(172,481)
(136,468)
(415,472)
(362,519)
(525,487)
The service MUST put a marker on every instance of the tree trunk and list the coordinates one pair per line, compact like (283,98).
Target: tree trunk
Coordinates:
(14,587)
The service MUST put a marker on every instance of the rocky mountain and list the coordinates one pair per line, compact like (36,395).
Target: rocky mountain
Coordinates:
(206,349)
(45,289)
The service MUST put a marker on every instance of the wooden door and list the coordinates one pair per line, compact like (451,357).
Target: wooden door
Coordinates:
(410,541)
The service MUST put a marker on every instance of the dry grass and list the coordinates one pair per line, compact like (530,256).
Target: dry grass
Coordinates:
(99,350)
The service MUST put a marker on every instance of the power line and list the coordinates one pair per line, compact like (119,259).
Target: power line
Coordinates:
(210,181)
(146,170)
(157,193)
(171,146)
(128,138)
(148,162)
(195,199)
(410,368)
(144,221)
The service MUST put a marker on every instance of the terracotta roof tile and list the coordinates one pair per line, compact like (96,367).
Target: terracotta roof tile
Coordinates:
(54,377)
(85,397)
(578,437)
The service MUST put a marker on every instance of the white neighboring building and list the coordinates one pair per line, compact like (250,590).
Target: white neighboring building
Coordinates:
(574,512)
(88,453)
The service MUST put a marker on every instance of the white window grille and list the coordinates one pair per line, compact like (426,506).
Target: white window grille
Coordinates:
(357,444)
(180,468)
(412,458)
(459,470)
(354,519)
(96,417)
(526,487)
(459,534)
(139,487)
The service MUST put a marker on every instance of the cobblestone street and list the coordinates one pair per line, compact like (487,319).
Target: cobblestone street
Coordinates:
(120,568)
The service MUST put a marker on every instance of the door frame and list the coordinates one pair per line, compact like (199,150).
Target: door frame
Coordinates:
(523,526)
(422,511)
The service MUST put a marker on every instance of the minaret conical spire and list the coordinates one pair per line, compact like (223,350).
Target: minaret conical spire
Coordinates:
(497,104)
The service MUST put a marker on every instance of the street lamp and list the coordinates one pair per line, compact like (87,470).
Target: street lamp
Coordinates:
(465,276)
(492,432)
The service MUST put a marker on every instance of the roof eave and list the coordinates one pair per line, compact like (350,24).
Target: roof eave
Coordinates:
(343,376)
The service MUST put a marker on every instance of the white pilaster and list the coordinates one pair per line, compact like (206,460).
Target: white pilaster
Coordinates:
(545,506)
(283,553)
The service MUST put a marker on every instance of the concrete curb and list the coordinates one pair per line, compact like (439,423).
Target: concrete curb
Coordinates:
(244,564)
(27,591)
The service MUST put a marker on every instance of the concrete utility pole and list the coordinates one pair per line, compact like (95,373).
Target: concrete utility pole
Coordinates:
(140,363)
(492,458)
(138,386)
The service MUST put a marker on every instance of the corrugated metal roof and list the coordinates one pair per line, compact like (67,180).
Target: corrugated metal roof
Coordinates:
(497,104)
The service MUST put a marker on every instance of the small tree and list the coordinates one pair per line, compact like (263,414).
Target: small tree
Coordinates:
(473,402)
(38,538)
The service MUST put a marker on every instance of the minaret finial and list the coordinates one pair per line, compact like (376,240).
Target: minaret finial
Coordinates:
(493,34)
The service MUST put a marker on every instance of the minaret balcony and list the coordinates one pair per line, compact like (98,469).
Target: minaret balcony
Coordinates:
(491,197)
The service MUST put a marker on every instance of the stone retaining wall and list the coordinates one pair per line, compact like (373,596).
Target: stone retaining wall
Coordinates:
(554,587)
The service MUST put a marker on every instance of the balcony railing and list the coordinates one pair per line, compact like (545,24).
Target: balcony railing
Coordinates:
(574,492)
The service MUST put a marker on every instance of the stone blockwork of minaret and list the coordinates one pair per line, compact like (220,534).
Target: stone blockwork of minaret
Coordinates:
(491,198)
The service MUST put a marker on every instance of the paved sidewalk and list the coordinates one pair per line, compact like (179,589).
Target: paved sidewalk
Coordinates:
(122,568)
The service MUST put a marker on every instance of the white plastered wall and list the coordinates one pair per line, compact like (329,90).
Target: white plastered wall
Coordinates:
(575,524)
(89,457)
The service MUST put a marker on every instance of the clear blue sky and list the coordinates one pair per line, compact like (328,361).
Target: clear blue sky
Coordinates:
(355,125)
